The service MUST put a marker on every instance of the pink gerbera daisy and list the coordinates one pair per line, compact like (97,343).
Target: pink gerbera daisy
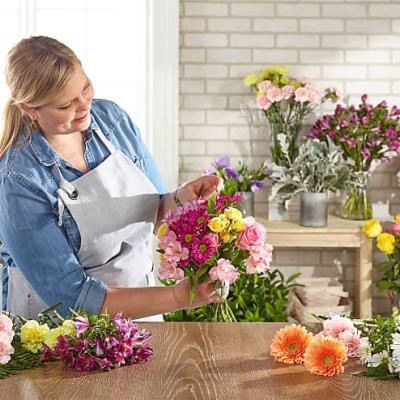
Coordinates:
(202,249)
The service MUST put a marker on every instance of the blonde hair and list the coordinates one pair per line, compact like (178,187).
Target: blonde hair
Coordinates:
(37,69)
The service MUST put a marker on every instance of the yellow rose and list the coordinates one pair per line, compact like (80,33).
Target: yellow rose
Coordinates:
(281,69)
(238,226)
(50,338)
(397,218)
(233,213)
(386,243)
(225,221)
(372,228)
(32,335)
(226,237)
(68,328)
(162,230)
(216,224)
(250,79)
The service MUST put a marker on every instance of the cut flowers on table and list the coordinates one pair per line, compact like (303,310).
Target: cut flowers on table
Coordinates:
(239,179)
(83,342)
(368,136)
(211,240)
(388,242)
(375,343)
(285,102)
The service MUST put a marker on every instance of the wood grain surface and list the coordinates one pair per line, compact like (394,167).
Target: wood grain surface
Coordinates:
(199,361)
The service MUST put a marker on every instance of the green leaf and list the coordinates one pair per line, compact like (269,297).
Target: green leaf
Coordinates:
(385,267)
(211,204)
(230,187)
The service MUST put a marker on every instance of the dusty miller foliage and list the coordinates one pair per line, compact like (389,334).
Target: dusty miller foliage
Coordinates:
(319,167)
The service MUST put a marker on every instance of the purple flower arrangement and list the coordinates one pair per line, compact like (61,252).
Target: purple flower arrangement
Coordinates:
(241,179)
(101,343)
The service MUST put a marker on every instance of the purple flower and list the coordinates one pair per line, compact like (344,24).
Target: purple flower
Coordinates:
(203,249)
(68,359)
(81,345)
(343,122)
(391,132)
(142,355)
(47,353)
(355,119)
(382,104)
(232,173)
(81,325)
(338,109)
(364,98)
(84,363)
(99,349)
(372,143)
(332,134)
(366,153)
(222,161)
(62,345)
(351,143)
(394,111)
(385,159)
(211,171)
(256,186)
(365,121)
(103,363)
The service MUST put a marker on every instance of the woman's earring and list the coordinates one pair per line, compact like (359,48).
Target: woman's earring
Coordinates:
(34,125)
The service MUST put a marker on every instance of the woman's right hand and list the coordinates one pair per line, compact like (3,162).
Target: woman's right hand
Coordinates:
(204,294)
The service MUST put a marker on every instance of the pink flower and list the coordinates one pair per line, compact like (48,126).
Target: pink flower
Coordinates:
(203,249)
(173,252)
(252,237)
(259,259)
(164,241)
(170,271)
(287,91)
(80,325)
(301,95)
(84,363)
(304,80)
(352,341)
(315,95)
(336,325)
(265,85)
(274,94)
(394,229)
(6,326)
(214,238)
(224,271)
(263,102)
(5,348)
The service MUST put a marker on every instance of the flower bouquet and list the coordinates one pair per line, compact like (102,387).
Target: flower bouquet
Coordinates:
(374,342)
(82,342)
(211,240)
(388,243)
(285,102)
(368,136)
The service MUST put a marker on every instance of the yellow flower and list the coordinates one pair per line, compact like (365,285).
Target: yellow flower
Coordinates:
(226,237)
(50,338)
(238,226)
(68,328)
(161,230)
(397,218)
(372,228)
(386,243)
(162,257)
(275,80)
(216,224)
(281,69)
(233,213)
(267,73)
(284,81)
(260,93)
(32,335)
(250,79)
(225,221)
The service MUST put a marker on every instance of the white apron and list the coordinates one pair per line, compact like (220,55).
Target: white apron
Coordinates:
(115,207)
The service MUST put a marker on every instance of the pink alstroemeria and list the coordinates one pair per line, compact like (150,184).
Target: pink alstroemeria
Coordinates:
(80,325)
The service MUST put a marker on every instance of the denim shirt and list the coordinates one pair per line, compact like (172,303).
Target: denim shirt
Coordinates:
(32,241)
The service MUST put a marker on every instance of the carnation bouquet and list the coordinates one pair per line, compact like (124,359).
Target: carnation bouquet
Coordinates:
(211,240)
(388,242)
(83,342)
(368,136)
(285,102)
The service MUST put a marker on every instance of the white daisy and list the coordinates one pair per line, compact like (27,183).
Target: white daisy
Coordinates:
(396,341)
(365,353)
(378,359)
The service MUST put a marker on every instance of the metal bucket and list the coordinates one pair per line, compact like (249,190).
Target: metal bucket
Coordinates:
(247,204)
(313,209)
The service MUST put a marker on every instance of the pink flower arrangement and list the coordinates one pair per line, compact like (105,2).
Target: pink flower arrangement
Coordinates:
(211,240)
(102,344)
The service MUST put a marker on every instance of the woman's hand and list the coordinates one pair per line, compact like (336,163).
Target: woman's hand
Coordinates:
(203,187)
(204,294)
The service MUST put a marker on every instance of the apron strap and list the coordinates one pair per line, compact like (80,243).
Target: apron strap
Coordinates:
(111,148)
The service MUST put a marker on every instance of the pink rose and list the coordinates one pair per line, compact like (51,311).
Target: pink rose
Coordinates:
(224,271)
(274,94)
(253,236)
(5,348)
(259,259)
(169,270)
(394,230)
(301,94)
(263,102)
(6,326)
(287,91)
(265,85)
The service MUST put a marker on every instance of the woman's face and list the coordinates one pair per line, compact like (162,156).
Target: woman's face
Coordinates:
(69,111)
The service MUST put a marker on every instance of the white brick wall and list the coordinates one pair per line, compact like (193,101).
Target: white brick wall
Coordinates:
(351,44)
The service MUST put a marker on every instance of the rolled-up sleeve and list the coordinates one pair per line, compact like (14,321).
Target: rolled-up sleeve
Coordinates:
(41,250)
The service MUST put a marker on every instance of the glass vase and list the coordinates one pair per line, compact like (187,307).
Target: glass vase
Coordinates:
(356,204)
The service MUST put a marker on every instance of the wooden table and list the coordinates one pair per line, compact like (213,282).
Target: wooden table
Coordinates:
(340,233)
(204,361)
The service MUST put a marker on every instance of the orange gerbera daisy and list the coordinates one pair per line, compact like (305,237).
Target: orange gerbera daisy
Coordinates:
(290,344)
(325,356)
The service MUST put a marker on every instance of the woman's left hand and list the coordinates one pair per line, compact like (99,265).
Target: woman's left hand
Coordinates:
(203,187)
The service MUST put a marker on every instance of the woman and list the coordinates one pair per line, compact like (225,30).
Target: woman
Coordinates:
(79,195)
